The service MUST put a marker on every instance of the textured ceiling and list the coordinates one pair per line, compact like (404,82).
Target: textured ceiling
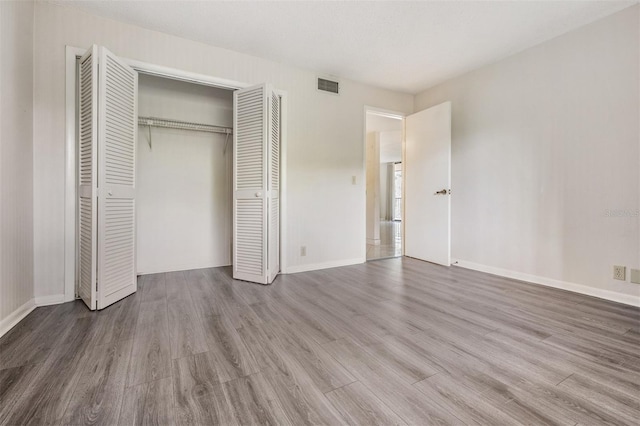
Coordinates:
(404,46)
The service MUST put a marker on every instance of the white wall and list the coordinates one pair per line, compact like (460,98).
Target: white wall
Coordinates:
(320,125)
(385,213)
(183,178)
(544,143)
(16,160)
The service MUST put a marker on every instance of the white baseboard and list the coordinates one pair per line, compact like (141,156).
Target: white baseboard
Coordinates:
(614,296)
(182,268)
(16,316)
(325,265)
(53,299)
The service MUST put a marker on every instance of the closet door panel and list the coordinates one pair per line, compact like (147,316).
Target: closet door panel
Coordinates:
(116,179)
(87,189)
(249,184)
(273,254)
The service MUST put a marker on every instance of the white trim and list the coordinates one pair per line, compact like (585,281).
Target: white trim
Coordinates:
(613,296)
(54,299)
(189,77)
(70,173)
(284,125)
(177,268)
(385,112)
(16,316)
(325,265)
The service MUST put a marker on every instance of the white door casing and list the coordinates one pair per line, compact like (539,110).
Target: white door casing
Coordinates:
(427,173)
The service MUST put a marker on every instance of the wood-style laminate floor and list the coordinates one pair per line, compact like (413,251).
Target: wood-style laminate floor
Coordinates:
(396,341)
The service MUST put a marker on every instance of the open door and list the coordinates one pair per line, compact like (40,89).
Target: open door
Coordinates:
(108,127)
(87,173)
(273,253)
(427,174)
(256,177)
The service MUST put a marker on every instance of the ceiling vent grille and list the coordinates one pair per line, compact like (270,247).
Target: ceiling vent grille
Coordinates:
(328,86)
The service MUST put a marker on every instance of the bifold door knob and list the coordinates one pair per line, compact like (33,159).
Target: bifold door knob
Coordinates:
(258,194)
(110,192)
(441,192)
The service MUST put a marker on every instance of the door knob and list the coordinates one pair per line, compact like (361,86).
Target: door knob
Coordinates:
(110,192)
(442,192)
(258,194)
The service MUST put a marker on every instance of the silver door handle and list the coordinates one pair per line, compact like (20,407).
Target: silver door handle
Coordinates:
(442,192)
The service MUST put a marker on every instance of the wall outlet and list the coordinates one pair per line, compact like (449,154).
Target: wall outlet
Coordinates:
(635,276)
(303,250)
(619,273)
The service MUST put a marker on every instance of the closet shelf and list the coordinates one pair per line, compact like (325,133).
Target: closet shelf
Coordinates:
(183,125)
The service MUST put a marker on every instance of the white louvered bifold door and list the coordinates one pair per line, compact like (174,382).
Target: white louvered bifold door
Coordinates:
(255,186)
(87,167)
(273,253)
(116,179)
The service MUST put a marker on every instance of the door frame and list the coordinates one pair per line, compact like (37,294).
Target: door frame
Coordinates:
(70,204)
(390,114)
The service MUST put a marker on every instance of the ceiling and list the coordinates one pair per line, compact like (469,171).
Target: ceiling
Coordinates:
(403,46)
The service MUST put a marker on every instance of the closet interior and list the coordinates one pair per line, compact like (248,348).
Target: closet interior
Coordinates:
(184,175)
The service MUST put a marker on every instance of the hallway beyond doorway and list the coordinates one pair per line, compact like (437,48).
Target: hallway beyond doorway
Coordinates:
(390,241)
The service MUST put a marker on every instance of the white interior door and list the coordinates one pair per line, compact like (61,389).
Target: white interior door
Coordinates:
(87,176)
(107,129)
(117,128)
(427,177)
(256,184)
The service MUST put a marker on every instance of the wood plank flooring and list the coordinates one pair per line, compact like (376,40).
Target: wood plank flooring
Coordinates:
(391,342)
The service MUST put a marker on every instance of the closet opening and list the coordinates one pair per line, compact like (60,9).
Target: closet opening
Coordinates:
(184,175)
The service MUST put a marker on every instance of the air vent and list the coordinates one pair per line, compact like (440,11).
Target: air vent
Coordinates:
(328,86)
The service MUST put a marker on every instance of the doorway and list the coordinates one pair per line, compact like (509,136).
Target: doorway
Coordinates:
(384,185)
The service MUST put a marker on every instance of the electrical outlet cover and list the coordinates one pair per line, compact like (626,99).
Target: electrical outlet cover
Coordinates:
(619,272)
(635,276)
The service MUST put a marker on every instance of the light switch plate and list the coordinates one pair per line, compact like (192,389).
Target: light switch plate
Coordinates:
(635,276)
(619,272)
